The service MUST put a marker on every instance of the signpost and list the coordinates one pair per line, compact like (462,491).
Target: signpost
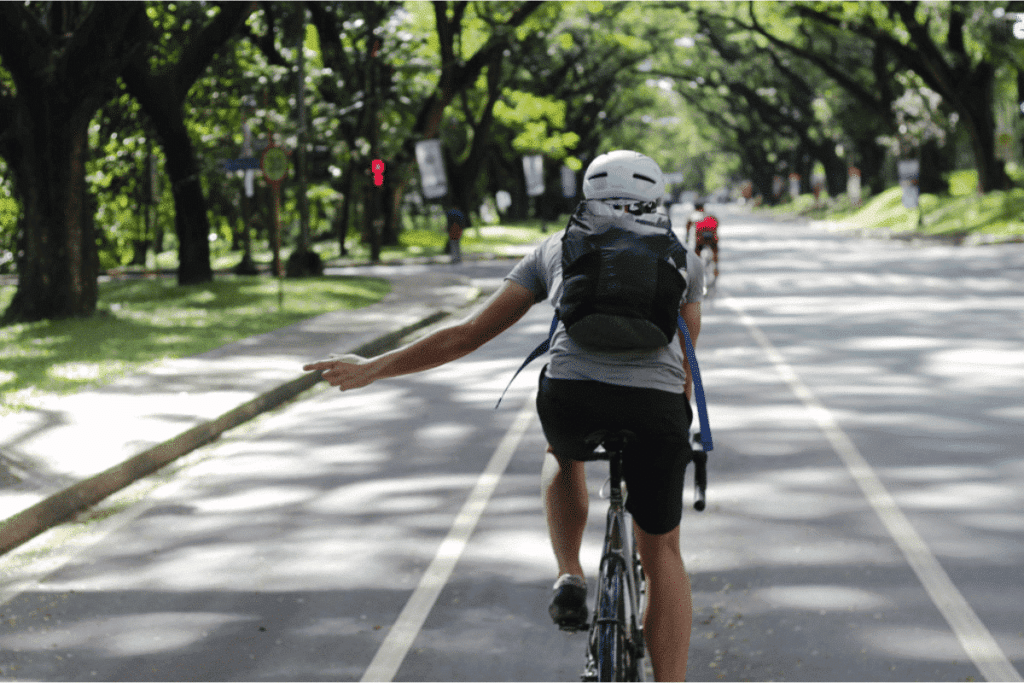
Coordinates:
(275,167)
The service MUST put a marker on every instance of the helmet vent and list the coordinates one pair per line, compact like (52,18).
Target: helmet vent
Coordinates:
(643,177)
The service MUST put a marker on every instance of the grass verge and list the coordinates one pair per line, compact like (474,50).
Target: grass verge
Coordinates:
(413,243)
(145,320)
(994,216)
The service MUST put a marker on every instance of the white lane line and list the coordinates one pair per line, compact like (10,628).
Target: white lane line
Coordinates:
(974,637)
(396,645)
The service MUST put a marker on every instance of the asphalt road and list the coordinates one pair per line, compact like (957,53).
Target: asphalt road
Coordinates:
(865,512)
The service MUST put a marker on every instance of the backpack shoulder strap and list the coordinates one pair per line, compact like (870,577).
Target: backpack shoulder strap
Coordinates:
(541,349)
(676,250)
(698,389)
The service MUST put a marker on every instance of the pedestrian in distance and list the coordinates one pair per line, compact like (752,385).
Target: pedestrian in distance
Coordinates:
(456,224)
(581,389)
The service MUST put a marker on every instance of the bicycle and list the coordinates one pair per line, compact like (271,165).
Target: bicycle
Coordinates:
(615,643)
(707,257)
(705,244)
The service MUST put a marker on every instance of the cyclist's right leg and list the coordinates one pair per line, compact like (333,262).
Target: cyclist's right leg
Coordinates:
(669,616)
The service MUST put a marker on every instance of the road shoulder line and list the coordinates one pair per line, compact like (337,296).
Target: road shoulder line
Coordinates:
(396,645)
(973,635)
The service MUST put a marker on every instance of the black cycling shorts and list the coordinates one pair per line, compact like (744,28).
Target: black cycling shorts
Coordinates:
(570,410)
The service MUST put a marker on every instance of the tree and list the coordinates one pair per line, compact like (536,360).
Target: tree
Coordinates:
(933,41)
(182,46)
(63,60)
(460,70)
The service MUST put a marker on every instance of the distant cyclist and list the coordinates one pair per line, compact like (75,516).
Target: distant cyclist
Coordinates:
(695,217)
(647,392)
(706,228)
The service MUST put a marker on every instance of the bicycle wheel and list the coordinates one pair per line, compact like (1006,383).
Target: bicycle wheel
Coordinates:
(639,659)
(612,647)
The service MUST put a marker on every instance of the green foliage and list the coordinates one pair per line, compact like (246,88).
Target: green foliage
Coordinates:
(963,183)
(540,120)
(714,90)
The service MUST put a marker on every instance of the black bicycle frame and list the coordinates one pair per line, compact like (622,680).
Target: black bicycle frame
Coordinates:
(618,608)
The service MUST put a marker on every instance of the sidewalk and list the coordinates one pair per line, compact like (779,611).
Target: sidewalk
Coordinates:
(73,451)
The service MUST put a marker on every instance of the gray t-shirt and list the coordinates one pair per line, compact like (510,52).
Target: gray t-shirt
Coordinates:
(541,273)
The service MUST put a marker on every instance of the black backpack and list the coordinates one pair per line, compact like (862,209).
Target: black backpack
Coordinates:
(622,289)
(621,285)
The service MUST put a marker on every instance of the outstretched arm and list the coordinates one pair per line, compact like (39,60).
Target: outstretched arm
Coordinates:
(501,311)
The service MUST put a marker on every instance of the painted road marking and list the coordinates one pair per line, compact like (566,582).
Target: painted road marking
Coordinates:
(974,637)
(400,638)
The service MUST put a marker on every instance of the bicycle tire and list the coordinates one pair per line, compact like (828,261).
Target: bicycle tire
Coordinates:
(612,648)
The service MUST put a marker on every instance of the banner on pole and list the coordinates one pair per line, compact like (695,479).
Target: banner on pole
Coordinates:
(568,182)
(533,168)
(431,162)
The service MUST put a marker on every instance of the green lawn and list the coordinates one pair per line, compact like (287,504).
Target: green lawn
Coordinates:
(141,321)
(961,212)
(413,242)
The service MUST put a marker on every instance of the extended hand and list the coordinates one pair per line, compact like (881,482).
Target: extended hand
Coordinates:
(345,372)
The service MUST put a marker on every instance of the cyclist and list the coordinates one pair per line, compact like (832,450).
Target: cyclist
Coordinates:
(706,228)
(695,217)
(580,392)
(707,238)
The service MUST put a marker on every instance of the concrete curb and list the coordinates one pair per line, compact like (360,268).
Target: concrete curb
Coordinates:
(65,504)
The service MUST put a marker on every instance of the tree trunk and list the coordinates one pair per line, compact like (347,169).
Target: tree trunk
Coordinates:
(981,128)
(61,264)
(190,220)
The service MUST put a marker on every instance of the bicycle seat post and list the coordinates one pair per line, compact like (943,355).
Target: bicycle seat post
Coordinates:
(612,446)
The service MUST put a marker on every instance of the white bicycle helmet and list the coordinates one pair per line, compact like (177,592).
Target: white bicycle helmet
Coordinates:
(624,175)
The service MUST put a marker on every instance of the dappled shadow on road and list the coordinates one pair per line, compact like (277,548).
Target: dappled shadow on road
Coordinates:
(795,578)
(289,552)
(338,503)
(917,353)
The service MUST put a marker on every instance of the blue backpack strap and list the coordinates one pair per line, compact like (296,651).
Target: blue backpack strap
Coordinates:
(541,349)
(702,408)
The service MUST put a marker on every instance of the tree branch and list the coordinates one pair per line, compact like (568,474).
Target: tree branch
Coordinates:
(24,42)
(205,42)
(839,76)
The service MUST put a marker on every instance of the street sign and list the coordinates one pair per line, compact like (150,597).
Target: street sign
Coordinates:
(243,164)
(275,164)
